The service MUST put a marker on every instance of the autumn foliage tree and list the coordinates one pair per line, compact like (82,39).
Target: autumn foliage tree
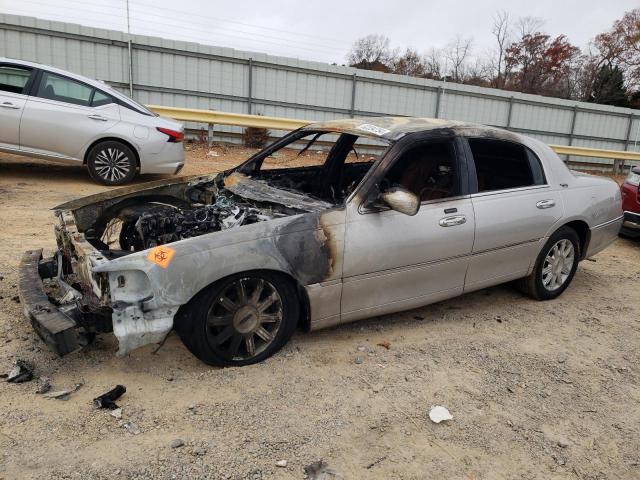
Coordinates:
(539,64)
(524,59)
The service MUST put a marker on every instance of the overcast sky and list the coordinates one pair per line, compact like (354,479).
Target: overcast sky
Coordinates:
(325,30)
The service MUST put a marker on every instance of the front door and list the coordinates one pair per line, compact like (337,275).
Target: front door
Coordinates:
(14,83)
(393,261)
(65,103)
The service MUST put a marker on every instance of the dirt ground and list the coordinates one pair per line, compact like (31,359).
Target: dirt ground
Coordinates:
(538,390)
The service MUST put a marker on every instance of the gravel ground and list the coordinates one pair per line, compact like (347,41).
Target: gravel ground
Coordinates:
(538,390)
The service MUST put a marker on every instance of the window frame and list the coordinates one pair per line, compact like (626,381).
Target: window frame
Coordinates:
(26,90)
(370,185)
(473,176)
(39,84)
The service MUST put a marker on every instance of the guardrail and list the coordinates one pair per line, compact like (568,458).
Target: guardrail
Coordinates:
(211,117)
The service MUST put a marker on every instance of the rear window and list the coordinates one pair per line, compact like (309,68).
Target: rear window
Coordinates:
(501,165)
(13,79)
(62,89)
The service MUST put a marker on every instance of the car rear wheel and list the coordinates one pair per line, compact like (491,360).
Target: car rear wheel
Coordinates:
(555,266)
(240,320)
(112,163)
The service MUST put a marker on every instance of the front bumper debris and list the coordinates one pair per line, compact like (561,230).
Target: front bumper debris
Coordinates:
(56,328)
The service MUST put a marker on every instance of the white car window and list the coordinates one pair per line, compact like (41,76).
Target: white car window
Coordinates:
(13,79)
(100,99)
(55,87)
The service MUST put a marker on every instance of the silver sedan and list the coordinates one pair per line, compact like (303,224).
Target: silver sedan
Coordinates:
(67,118)
(335,222)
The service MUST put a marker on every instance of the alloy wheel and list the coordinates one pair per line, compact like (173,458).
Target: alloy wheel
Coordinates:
(558,264)
(112,164)
(245,318)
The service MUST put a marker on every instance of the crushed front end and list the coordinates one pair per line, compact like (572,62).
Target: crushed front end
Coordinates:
(109,273)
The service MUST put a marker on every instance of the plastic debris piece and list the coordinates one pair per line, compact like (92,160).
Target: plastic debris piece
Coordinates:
(21,372)
(439,414)
(320,471)
(132,428)
(63,394)
(117,413)
(108,400)
(44,385)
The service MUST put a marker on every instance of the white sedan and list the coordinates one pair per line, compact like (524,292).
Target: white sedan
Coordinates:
(57,115)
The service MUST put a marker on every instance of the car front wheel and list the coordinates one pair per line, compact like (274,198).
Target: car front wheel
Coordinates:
(555,266)
(240,320)
(111,163)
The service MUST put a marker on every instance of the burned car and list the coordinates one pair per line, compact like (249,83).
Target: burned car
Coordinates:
(393,214)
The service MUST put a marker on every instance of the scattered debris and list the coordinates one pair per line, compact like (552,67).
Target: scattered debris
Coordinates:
(44,385)
(384,344)
(563,443)
(359,360)
(439,414)
(373,464)
(377,388)
(63,394)
(199,451)
(498,319)
(108,400)
(21,372)
(116,413)
(320,471)
(361,348)
(177,443)
(132,428)
(212,153)
(281,463)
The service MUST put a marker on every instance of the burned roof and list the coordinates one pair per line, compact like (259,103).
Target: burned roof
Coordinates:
(390,128)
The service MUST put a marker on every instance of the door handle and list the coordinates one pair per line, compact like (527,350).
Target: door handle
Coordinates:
(542,204)
(453,221)
(95,116)
(9,105)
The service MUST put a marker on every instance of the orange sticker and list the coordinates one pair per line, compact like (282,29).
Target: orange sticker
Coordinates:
(161,255)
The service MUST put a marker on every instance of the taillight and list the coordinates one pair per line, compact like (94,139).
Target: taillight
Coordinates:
(174,136)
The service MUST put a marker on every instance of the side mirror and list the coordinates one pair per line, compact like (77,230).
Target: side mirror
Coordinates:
(401,200)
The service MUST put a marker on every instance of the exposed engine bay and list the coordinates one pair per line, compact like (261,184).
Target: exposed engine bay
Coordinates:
(221,204)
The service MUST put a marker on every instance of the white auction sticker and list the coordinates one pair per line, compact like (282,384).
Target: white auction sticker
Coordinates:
(367,127)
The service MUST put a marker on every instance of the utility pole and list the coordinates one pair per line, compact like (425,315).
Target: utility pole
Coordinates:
(130,52)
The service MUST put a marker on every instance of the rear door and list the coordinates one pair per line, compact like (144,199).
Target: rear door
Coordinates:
(514,209)
(64,115)
(15,81)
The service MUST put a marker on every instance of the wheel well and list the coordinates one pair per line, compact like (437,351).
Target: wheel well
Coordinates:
(112,139)
(584,234)
(304,321)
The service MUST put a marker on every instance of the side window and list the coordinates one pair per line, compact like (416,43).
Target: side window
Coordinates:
(501,165)
(13,78)
(62,89)
(428,170)
(100,99)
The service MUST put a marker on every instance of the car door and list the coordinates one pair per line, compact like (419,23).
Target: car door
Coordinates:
(393,261)
(64,115)
(514,208)
(15,82)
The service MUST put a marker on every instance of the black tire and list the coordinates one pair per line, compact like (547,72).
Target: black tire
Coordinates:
(541,288)
(206,331)
(112,163)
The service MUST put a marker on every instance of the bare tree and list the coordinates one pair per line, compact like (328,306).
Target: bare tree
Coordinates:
(433,63)
(501,32)
(528,26)
(371,53)
(456,54)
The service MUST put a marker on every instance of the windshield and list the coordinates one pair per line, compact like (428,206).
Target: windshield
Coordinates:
(325,165)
